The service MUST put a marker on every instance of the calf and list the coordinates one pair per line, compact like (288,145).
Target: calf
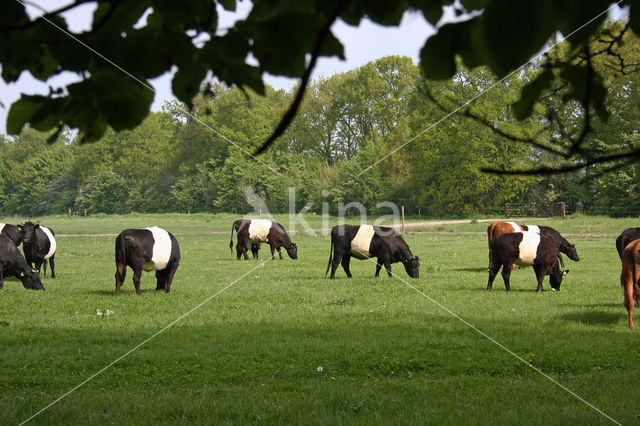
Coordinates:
(149,249)
(366,241)
(628,235)
(12,263)
(14,233)
(525,249)
(39,245)
(629,277)
(261,231)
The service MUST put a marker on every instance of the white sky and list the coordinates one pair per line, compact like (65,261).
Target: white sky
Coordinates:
(362,44)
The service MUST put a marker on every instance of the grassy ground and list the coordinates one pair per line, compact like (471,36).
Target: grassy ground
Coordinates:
(388,353)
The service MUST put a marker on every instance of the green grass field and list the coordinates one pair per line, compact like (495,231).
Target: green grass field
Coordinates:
(245,342)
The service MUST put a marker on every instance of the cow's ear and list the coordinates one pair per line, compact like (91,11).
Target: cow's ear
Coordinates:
(22,274)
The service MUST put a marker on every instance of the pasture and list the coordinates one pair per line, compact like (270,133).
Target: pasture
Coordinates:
(240,342)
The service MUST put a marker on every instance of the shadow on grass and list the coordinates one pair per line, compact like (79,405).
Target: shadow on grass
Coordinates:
(594,317)
(472,270)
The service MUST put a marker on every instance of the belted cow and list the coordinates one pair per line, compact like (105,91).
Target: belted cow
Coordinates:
(367,241)
(12,263)
(39,245)
(628,235)
(561,244)
(261,231)
(14,232)
(149,249)
(525,249)
(630,276)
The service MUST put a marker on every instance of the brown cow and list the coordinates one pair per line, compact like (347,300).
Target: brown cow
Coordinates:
(629,277)
(499,228)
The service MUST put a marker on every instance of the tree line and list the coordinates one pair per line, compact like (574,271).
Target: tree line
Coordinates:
(381,132)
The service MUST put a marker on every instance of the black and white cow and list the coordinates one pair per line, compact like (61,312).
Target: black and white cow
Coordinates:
(261,231)
(14,232)
(12,263)
(39,245)
(149,249)
(628,235)
(367,241)
(525,249)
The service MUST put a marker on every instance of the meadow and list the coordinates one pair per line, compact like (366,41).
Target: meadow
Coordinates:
(276,342)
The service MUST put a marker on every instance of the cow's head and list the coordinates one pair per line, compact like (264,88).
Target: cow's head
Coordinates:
(292,250)
(570,251)
(29,231)
(412,266)
(555,278)
(30,279)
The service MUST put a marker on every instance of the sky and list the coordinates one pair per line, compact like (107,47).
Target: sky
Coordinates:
(362,44)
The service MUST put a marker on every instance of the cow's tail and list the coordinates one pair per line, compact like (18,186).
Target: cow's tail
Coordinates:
(233,228)
(330,257)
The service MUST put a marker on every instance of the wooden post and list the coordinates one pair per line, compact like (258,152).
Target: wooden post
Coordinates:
(69,212)
(85,212)
(402,220)
(419,214)
(534,209)
(506,209)
(564,210)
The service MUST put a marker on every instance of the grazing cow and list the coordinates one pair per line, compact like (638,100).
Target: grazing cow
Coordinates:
(14,233)
(12,263)
(261,231)
(149,249)
(255,248)
(525,249)
(629,277)
(366,241)
(562,245)
(39,245)
(628,235)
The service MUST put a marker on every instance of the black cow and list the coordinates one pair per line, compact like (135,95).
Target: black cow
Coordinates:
(561,244)
(14,232)
(12,263)
(367,241)
(261,231)
(149,249)
(525,249)
(39,245)
(628,235)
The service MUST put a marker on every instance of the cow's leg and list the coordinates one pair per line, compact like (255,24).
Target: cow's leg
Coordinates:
(378,267)
(121,272)
(273,251)
(540,274)
(506,274)
(53,271)
(161,279)
(170,274)
(560,260)
(337,258)
(629,301)
(1,281)
(279,252)
(137,274)
(38,265)
(345,265)
(495,267)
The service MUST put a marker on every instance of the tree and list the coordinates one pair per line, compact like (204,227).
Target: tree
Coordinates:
(149,37)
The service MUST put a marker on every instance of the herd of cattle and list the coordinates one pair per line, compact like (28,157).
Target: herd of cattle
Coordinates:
(154,249)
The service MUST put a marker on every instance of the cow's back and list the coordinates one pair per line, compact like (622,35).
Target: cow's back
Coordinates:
(626,237)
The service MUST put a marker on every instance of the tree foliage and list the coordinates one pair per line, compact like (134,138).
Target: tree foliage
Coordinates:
(131,42)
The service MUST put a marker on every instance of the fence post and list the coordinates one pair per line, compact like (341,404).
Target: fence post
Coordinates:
(402,220)
(534,209)
(506,209)
(564,210)
(69,212)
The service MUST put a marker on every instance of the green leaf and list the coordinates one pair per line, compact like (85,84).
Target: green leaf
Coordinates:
(530,93)
(39,111)
(514,30)
(437,57)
